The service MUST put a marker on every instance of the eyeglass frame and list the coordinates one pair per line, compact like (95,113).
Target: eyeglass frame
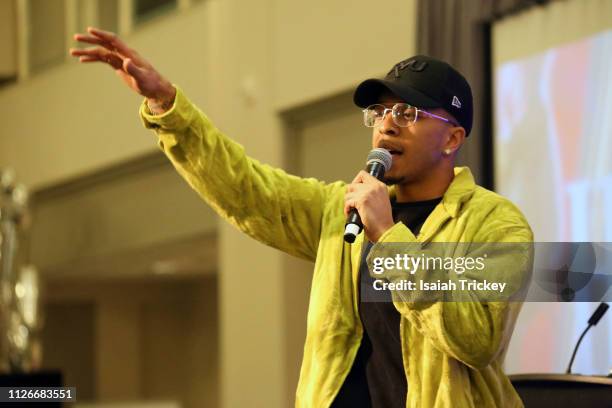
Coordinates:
(416,116)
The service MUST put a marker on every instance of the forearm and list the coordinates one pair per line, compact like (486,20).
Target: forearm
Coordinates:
(275,208)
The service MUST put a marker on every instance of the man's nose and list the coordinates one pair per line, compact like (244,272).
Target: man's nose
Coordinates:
(387,126)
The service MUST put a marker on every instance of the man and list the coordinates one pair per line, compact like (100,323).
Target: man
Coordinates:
(358,354)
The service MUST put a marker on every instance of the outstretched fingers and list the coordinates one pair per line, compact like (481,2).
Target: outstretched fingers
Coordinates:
(94,54)
(113,43)
(91,40)
(135,71)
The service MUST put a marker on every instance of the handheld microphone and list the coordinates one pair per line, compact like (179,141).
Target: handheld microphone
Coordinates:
(378,162)
(595,317)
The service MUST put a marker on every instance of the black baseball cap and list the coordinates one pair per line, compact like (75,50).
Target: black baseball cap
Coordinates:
(424,82)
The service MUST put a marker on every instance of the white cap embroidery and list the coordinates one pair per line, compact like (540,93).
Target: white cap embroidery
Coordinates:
(456,102)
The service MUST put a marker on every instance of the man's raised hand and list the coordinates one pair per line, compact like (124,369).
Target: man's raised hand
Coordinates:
(135,71)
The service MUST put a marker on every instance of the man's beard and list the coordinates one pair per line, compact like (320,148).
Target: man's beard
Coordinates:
(390,181)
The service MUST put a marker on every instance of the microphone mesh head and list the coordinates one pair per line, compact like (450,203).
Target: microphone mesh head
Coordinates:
(381,156)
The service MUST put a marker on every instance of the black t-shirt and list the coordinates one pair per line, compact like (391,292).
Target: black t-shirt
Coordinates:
(377,378)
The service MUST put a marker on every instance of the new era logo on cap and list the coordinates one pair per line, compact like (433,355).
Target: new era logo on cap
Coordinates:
(456,102)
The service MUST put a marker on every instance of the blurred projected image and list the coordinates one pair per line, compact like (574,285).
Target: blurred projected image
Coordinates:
(554,139)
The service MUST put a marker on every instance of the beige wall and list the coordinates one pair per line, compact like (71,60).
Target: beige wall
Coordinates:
(131,340)
(8,39)
(68,342)
(324,47)
(72,119)
(47,19)
(259,59)
(142,207)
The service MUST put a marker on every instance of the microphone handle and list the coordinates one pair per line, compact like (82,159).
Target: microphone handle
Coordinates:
(353,225)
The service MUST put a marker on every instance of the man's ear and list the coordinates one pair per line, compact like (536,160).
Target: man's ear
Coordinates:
(456,138)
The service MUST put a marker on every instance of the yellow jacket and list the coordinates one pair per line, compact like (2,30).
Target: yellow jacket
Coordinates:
(452,352)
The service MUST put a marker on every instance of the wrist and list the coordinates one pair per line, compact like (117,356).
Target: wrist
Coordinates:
(381,230)
(163,101)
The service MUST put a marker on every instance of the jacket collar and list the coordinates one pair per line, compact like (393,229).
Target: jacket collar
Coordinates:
(459,191)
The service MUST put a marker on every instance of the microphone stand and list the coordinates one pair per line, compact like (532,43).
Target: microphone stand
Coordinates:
(595,317)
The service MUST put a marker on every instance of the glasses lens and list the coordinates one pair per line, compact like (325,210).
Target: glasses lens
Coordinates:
(404,114)
(373,114)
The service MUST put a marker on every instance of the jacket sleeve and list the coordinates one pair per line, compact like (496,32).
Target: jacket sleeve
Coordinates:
(466,325)
(276,208)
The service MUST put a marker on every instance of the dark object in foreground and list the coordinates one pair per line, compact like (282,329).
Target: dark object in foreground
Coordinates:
(563,391)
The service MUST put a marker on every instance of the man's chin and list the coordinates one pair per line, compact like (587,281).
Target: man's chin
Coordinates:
(390,181)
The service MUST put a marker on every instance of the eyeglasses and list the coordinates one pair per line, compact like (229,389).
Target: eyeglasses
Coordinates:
(403,115)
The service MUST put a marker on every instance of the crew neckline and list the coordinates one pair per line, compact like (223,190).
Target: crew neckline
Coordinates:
(416,203)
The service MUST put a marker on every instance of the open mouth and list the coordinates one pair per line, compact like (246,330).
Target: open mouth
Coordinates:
(395,152)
